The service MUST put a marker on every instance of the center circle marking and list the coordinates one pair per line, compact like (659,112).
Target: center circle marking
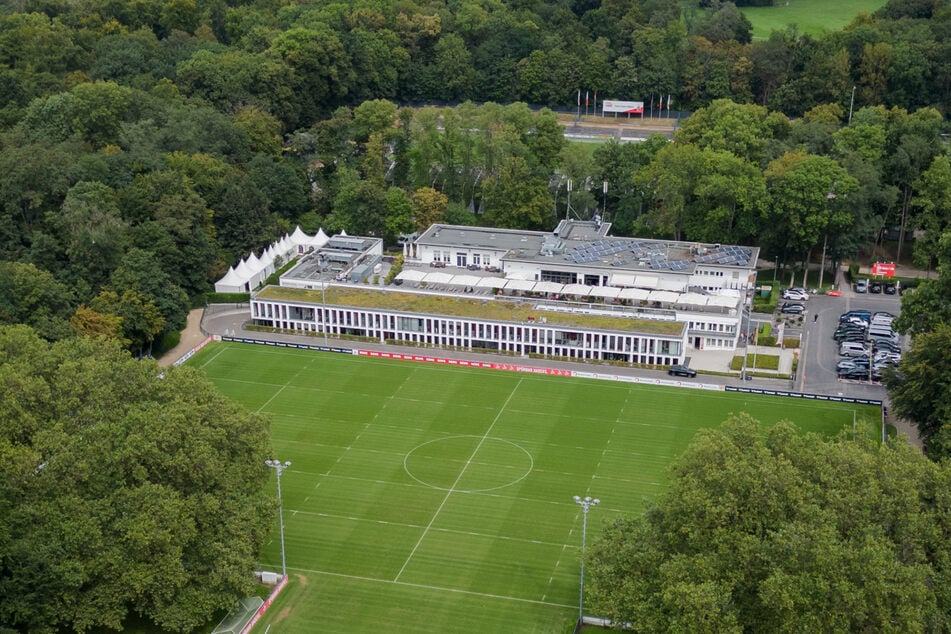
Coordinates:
(423,462)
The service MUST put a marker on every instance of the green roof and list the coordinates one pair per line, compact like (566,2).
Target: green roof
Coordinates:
(470,307)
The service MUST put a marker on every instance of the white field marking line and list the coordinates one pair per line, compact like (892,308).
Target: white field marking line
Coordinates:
(362,431)
(436,588)
(215,355)
(538,378)
(276,394)
(327,474)
(449,531)
(564,547)
(351,393)
(458,479)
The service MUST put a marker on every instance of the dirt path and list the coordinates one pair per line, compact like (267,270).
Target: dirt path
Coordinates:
(191,337)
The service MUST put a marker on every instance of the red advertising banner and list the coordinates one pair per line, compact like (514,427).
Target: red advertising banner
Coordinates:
(883,269)
(465,363)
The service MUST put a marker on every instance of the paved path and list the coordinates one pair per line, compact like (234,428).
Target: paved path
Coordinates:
(191,337)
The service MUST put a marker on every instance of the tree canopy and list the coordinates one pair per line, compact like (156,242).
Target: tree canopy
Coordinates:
(126,489)
(781,532)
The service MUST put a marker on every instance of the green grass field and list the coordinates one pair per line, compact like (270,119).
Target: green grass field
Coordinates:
(810,16)
(427,498)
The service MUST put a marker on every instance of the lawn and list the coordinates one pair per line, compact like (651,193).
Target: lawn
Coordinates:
(429,498)
(810,16)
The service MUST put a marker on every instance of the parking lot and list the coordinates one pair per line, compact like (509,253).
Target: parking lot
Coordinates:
(820,357)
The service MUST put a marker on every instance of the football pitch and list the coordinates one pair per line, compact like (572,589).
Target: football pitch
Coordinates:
(429,498)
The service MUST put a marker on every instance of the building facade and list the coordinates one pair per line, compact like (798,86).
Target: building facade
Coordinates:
(574,293)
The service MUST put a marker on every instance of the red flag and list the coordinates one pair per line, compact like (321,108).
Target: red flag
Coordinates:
(660,104)
(586,99)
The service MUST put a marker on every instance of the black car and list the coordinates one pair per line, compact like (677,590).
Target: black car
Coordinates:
(792,309)
(875,287)
(886,346)
(842,333)
(890,288)
(681,370)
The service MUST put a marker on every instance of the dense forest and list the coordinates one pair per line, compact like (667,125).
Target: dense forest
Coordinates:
(146,146)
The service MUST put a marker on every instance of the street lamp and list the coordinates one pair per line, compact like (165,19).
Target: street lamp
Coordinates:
(586,503)
(279,466)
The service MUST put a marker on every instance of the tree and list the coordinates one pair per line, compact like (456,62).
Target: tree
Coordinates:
(782,532)
(515,198)
(920,390)
(429,207)
(806,191)
(126,489)
(32,296)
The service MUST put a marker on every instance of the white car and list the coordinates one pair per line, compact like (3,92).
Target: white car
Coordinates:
(796,295)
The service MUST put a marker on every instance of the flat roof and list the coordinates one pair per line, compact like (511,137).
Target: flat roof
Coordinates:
(587,243)
(489,308)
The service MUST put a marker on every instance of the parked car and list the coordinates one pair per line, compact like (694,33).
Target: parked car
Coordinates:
(792,309)
(681,370)
(886,346)
(875,287)
(853,349)
(890,288)
(843,331)
(883,313)
(865,315)
(796,295)
(861,286)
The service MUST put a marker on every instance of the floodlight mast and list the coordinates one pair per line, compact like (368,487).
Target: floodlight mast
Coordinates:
(279,467)
(586,503)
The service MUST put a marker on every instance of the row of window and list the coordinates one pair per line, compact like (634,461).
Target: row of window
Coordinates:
(520,338)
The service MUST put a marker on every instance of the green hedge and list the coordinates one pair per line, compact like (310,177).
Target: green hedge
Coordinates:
(227,298)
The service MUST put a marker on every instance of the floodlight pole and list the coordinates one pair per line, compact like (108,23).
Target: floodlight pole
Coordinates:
(279,467)
(586,503)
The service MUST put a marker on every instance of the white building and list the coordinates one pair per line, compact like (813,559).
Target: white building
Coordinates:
(573,293)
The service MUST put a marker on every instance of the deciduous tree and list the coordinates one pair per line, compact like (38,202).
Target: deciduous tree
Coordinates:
(127,489)
(782,532)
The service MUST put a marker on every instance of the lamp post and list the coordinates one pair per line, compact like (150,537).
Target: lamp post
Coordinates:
(586,503)
(279,466)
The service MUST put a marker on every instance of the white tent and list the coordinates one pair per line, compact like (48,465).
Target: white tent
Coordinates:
(548,287)
(608,292)
(437,278)
(231,283)
(578,290)
(253,262)
(464,280)
(635,294)
(692,299)
(722,301)
(244,271)
(664,297)
(343,233)
(320,239)
(519,285)
(491,282)
(299,237)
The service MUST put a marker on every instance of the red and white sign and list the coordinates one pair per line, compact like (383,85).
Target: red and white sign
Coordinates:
(629,107)
(883,269)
